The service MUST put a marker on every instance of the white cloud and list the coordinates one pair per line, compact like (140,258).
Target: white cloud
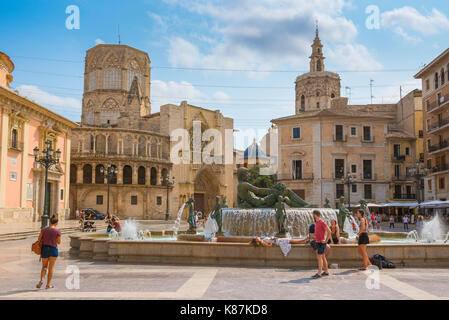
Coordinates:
(263,34)
(408,19)
(99,41)
(354,56)
(48,100)
(400,31)
(221,96)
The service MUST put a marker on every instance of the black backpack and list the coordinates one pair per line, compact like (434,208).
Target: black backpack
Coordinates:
(381,262)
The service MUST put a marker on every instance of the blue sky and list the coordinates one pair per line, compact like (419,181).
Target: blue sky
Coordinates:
(185,39)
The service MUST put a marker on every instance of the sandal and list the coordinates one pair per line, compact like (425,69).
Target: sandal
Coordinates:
(39,285)
(49,287)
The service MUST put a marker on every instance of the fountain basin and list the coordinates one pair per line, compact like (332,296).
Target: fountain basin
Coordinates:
(244,254)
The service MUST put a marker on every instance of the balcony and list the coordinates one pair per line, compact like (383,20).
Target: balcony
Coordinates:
(438,125)
(406,196)
(398,157)
(440,168)
(340,138)
(439,147)
(304,176)
(368,140)
(444,101)
(368,176)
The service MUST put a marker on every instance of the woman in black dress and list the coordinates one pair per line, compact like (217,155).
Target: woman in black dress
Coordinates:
(363,239)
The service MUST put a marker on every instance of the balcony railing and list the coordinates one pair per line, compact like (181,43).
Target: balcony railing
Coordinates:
(440,168)
(368,176)
(342,138)
(304,176)
(440,146)
(398,157)
(406,196)
(368,139)
(438,124)
(437,104)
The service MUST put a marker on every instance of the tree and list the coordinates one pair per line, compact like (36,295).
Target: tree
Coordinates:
(260,181)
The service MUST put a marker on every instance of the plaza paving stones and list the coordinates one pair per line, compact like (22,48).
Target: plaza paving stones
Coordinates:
(19,273)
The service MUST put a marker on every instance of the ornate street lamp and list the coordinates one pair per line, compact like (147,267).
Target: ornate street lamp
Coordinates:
(349,182)
(109,172)
(49,157)
(166,181)
(418,172)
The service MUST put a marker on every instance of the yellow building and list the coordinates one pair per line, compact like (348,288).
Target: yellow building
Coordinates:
(435,83)
(25,125)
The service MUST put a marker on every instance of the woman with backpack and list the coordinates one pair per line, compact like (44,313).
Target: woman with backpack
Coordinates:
(49,238)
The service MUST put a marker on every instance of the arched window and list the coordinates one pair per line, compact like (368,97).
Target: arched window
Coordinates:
(442,76)
(153,148)
(92,81)
(100,144)
(73,173)
(113,178)
(128,145)
(318,65)
(436,80)
(303,102)
(153,176)
(127,175)
(333,95)
(112,144)
(142,146)
(92,141)
(99,176)
(112,78)
(317,93)
(141,176)
(87,174)
(164,174)
(317,105)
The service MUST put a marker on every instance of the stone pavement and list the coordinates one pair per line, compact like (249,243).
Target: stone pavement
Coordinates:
(19,273)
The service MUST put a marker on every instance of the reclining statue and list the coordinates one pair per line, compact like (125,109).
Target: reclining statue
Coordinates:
(249,196)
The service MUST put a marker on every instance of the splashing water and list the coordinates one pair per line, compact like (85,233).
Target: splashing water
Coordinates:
(177,223)
(432,230)
(210,227)
(129,230)
(348,227)
(262,222)
(413,236)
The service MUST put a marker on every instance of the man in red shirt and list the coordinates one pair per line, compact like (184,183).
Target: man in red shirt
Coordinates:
(322,235)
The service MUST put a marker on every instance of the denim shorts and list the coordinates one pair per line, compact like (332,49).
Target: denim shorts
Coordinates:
(49,251)
(321,248)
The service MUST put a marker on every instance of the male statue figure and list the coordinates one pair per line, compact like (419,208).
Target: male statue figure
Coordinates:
(217,215)
(191,219)
(281,216)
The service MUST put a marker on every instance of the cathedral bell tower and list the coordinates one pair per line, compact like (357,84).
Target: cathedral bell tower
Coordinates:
(317,58)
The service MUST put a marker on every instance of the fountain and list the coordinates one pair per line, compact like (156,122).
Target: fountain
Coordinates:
(177,223)
(412,236)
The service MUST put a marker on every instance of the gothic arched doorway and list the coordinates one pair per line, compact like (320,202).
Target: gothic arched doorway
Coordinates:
(206,189)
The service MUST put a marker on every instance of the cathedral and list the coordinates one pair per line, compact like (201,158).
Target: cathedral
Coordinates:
(119,131)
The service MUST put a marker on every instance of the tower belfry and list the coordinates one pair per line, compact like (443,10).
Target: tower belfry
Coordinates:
(317,58)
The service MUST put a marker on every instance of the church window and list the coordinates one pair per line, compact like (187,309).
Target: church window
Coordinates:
(92,81)
(436,81)
(112,78)
(333,95)
(442,77)
(303,102)
(318,65)
(317,105)
(133,71)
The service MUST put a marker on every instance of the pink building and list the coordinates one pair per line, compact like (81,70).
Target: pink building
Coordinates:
(23,126)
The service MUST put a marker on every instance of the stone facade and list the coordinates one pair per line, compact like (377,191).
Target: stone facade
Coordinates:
(435,83)
(23,126)
(327,139)
(118,128)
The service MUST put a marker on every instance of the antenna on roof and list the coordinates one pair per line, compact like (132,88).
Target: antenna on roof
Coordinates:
(118,28)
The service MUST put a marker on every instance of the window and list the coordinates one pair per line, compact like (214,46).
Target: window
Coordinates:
(297,169)
(407,151)
(396,151)
(367,133)
(297,133)
(368,191)
(112,78)
(127,175)
(62,194)
(408,191)
(436,80)
(353,131)
(14,139)
(332,95)
(73,173)
(318,65)
(420,133)
(133,72)
(92,81)
(87,174)
(303,102)
(353,168)
(367,169)
(397,171)
(427,84)
(153,176)
(339,133)
(442,76)
(429,184)
(99,199)
(339,168)
(159,201)
(134,200)
(340,190)
(317,105)
(354,188)
(99,174)
(141,175)
(441,184)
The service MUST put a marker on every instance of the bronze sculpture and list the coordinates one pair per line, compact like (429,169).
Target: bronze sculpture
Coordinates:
(191,219)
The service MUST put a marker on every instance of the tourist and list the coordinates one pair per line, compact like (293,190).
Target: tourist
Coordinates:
(391,222)
(405,221)
(322,235)
(378,221)
(109,222)
(116,224)
(373,221)
(311,240)
(50,237)
(363,239)
(335,232)
(419,225)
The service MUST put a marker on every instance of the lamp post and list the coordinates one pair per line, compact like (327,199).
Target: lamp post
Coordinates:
(349,182)
(109,173)
(166,181)
(418,172)
(49,157)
